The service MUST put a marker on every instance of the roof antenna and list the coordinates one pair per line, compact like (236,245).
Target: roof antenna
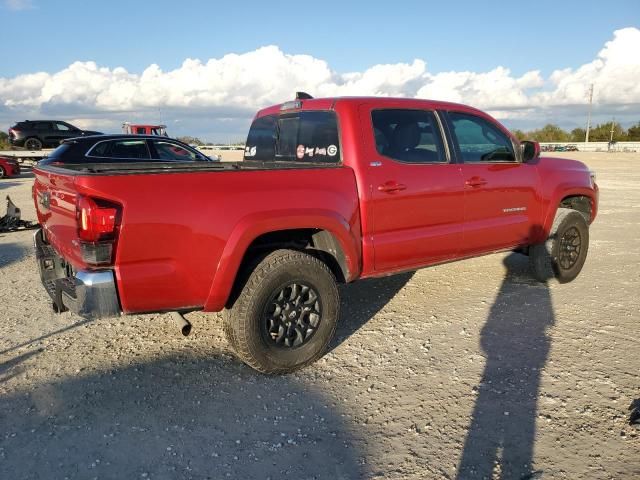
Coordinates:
(303,96)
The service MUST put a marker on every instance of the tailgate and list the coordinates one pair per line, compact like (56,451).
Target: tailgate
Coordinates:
(54,196)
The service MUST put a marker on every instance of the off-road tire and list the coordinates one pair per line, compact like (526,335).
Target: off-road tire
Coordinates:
(244,319)
(545,258)
(33,143)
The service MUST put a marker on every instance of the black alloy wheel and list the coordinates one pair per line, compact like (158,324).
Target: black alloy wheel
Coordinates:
(292,315)
(569,248)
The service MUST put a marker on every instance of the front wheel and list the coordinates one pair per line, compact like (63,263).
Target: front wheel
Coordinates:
(286,314)
(563,254)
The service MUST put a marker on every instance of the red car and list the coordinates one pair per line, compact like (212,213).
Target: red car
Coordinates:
(331,190)
(8,167)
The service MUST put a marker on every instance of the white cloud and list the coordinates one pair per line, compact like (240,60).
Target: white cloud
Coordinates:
(234,86)
(16,5)
(615,74)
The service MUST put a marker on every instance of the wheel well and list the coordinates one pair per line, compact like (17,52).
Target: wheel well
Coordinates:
(320,243)
(579,203)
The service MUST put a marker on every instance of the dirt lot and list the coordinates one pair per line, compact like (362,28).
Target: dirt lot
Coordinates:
(466,370)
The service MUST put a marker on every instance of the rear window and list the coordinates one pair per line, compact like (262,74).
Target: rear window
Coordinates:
(57,154)
(296,137)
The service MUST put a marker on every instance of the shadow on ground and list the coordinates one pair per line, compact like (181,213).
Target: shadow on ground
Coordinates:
(501,435)
(362,300)
(8,184)
(10,252)
(177,417)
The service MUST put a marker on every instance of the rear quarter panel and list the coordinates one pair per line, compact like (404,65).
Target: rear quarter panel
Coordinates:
(183,235)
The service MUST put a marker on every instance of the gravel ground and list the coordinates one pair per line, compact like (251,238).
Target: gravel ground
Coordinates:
(466,370)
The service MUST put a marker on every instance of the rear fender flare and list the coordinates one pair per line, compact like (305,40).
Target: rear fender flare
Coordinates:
(255,225)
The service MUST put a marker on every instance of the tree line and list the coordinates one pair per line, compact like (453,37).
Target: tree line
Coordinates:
(598,133)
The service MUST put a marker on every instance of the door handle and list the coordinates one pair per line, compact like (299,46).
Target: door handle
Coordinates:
(475,182)
(391,187)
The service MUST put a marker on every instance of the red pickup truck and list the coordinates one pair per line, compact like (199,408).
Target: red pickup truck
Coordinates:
(330,190)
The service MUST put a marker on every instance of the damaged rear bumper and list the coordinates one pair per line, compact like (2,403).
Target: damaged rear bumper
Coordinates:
(90,294)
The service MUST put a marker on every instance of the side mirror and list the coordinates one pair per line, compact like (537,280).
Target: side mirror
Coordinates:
(530,150)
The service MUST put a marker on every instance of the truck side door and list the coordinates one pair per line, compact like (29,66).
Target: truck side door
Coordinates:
(500,207)
(416,192)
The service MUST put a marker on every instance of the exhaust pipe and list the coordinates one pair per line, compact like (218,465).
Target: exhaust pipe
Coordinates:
(183,324)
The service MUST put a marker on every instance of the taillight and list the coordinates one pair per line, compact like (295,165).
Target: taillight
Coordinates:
(98,221)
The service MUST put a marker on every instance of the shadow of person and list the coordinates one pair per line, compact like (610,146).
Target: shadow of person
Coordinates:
(360,301)
(501,435)
(178,416)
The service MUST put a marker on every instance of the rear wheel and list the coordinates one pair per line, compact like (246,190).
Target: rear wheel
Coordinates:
(563,255)
(33,144)
(2,172)
(286,314)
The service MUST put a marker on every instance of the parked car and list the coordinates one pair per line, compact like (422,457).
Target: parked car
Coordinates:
(121,148)
(9,167)
(37,134)
(330,191)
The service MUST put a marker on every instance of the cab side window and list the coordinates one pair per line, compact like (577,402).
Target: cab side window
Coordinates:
(480,141)
(411,136)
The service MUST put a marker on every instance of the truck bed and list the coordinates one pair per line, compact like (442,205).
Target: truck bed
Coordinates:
(180,222)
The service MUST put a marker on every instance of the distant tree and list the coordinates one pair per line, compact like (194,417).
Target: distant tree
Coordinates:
(190,140)
(549,133)
(577,135)
(520,135)
(602,132)
(633,133)
(4,141)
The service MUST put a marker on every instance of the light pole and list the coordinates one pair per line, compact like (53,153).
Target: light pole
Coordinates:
(613,122)
(586,138)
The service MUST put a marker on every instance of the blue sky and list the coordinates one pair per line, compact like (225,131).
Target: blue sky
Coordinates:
(350,35)
(463,36)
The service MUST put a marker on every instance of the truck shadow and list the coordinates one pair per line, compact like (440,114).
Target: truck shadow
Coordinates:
(501,436)
(13,366)
(178,416)
(360,301)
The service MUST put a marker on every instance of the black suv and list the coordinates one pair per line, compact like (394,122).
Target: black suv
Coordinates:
(35,134)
